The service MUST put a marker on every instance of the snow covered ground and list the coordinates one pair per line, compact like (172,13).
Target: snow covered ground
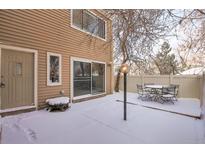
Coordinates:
(101,121)
(189,106)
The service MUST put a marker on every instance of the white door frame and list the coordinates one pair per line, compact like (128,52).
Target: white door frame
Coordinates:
(72,59)
(35,52)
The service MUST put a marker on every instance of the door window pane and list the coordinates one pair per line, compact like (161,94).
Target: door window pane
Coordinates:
(82,78)
(82,69)
(82,87)
(98,78)
(19,68)
(87,82)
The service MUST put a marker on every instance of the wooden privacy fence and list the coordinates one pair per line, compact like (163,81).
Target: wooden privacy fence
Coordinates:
(190,86)
(203,97)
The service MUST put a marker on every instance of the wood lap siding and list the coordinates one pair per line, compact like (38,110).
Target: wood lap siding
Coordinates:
(50,31)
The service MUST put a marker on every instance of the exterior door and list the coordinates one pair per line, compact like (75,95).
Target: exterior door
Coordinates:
(17,79)
(88,78)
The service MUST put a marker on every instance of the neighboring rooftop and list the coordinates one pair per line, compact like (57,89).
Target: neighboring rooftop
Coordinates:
(194,71)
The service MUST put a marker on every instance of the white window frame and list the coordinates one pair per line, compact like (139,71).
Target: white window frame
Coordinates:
(48,69)
(71,78)
(87,32)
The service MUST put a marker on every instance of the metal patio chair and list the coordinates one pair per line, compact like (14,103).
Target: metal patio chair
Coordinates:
(176,92)
(153,94)
(141,92)
(168,94)
(148,89)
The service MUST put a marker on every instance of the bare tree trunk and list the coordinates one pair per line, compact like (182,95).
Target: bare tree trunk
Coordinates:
(117,89)
(117,84)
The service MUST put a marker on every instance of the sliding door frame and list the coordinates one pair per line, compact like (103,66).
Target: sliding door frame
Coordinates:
(72,75)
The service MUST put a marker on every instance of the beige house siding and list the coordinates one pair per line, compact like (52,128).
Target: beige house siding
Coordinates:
(51,31)
(189,85)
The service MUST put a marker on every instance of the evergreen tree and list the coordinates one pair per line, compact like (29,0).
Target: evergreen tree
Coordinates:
(165,61)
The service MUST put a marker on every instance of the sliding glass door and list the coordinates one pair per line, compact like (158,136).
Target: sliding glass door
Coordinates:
(88,78)
(98,78)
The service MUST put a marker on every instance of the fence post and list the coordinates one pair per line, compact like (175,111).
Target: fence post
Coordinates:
(142,79)
(170,78)
(201,85)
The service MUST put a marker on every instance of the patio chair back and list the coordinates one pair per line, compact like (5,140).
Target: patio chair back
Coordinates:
(176,89)
(169,90)
(140,88)
(168,94)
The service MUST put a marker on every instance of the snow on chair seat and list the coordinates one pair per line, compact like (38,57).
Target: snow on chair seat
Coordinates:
(58,103)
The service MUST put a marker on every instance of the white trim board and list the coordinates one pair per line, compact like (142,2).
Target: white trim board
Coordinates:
(88,95)
(17,109)
(72,59)
(35,52)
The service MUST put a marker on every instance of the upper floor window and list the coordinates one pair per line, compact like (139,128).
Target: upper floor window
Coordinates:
(88,22)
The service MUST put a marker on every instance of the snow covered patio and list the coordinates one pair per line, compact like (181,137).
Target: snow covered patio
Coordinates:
(101,121)
(184,106)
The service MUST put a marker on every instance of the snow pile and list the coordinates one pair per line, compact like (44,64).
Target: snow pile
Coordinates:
(58,101)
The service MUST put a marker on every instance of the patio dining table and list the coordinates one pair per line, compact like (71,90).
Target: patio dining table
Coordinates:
(155,91)
(158,93)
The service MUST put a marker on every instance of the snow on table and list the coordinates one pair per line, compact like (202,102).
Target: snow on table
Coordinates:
(58,100)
